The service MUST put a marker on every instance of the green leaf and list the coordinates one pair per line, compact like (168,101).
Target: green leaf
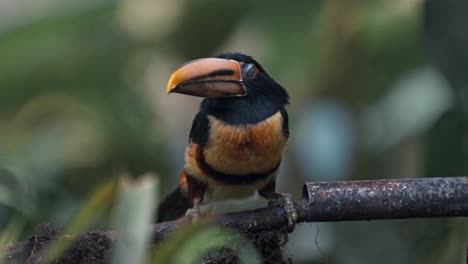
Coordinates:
(191,243)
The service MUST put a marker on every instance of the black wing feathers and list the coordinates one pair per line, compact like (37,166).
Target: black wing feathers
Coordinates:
(173,206)
(285,122)
(200,129)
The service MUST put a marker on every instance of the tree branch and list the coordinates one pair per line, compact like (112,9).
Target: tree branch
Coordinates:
(333,201)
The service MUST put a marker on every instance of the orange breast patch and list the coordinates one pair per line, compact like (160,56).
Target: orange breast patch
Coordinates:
(245,149)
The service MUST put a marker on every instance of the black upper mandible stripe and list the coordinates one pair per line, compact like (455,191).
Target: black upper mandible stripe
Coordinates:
(213,74)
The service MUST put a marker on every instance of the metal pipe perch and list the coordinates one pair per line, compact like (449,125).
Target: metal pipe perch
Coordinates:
(335,201)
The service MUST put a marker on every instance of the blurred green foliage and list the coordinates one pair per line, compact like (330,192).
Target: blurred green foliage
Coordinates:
(191,244)
(82,101)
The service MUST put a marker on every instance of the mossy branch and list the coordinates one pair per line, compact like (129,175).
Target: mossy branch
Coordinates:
(322,201)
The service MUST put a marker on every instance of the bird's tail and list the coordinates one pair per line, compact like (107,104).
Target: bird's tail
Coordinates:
(175,204)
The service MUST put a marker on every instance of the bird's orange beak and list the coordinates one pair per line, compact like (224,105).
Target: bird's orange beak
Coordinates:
(209,78)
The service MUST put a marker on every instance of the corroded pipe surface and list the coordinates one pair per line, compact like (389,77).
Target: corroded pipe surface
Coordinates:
(386,199)
(323,201)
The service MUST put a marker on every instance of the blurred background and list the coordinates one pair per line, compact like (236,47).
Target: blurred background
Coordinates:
(378,89)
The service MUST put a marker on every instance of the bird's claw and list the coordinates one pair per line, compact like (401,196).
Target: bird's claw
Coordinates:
(285,200)
(194,213)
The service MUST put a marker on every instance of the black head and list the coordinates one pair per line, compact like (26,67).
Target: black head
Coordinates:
(256,81)
(236,87)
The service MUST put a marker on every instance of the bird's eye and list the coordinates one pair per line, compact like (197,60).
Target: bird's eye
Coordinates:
(250,71)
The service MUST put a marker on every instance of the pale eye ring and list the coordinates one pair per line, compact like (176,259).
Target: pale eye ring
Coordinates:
(250,71)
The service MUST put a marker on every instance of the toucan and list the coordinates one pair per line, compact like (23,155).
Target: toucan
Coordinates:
(237,138)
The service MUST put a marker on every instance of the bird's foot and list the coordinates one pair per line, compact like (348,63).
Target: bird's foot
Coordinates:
(194,213)
(285,200)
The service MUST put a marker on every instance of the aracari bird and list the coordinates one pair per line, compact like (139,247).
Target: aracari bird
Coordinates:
(237,138)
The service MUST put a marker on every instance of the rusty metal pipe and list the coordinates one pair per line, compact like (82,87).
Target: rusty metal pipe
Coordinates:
(326,201)
(385,199)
